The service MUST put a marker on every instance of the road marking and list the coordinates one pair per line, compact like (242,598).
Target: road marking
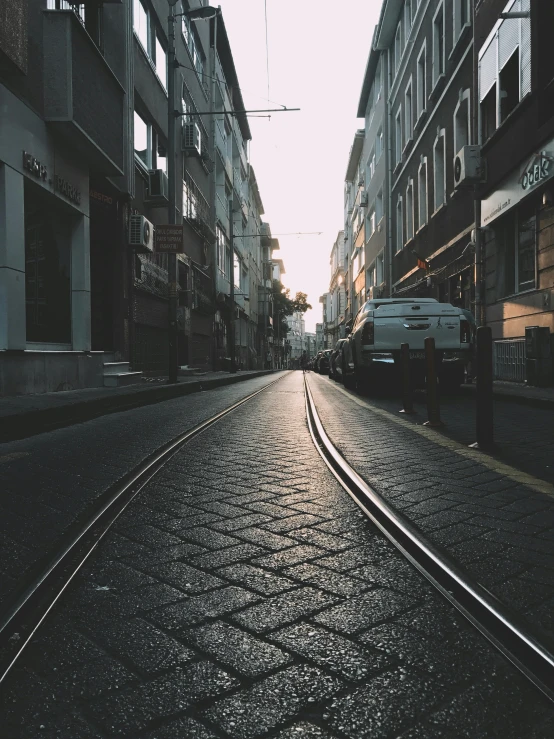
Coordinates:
(457,447)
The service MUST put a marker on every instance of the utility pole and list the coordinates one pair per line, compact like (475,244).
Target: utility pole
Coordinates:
(172,264)
(232,291)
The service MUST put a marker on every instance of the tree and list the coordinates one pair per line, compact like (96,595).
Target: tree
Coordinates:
(301,304)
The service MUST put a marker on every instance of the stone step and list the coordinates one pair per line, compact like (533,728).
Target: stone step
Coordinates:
(122,378)
(109,356)
(115,368)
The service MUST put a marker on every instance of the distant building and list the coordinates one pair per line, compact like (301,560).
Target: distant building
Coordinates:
(295,335)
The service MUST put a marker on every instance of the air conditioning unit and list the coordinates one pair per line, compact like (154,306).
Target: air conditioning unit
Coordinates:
(364,199)
(158,185)
(141,234)
(192,138)
(469,167)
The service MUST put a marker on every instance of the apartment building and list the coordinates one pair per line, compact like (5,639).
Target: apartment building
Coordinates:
(515,95)
(83,185)
(354,229)
(337,291)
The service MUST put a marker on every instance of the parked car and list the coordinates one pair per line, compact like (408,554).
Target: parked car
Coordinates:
(335,365)
(324,362)
(381,326)
(316,362)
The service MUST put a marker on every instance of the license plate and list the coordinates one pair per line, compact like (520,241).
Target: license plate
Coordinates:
(417,355)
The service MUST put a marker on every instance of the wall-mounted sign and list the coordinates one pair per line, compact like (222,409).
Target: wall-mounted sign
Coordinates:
(67,189)
(519,184)
(168,239)
(101,197)
(32,165)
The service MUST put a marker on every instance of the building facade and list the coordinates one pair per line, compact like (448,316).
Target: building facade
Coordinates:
(83,165)
(337,292)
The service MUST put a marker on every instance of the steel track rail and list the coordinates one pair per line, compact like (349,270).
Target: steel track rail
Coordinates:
(491,617)
(22,619)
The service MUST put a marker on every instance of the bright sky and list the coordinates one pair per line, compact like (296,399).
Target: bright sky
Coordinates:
(317,57)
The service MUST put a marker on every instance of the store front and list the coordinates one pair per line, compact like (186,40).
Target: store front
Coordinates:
(45,342)
(517,220)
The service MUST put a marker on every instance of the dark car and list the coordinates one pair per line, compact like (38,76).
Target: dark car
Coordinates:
(335,365)
(324,362)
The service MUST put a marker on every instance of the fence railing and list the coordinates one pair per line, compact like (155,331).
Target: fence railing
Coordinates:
(509,360)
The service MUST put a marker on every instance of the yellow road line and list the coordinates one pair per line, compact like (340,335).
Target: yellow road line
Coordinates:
(457,447)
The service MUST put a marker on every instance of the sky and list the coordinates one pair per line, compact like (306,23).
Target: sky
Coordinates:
(317,57)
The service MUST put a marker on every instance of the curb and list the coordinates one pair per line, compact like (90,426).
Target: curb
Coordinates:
(23,425)
(500,394)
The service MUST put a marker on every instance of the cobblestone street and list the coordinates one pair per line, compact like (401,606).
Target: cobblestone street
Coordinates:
(244,594)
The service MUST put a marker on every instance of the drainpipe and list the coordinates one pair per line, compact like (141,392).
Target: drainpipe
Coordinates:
(480,317)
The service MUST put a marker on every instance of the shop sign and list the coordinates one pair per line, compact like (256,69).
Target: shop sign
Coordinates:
(32,165)
(67,189)
(106,199)
(168,239)
(519,184)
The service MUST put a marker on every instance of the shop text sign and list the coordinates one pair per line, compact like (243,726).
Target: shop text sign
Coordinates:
(61,185)
(168,239)
(519,184)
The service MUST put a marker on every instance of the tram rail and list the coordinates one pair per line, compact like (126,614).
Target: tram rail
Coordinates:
(489,615)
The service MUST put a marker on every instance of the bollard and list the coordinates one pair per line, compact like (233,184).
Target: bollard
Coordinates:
(407,396)
(483,387)
(433,410)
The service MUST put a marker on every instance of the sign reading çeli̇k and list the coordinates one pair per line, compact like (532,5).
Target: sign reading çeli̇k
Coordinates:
(168,239)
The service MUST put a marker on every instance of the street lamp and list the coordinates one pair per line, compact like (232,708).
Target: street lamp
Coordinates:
(206,11)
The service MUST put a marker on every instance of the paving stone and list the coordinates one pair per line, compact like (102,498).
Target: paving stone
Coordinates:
(272,701)
(289,524)
(321,539)
(288,557)
(384,706)
(365,609)
(227,556)
(243,522)
(182,728)
(283,609)
(208,538)
(184,577)
(237,649)
(165,554)
(147,648)
(133,710)
(198,608)
(255,578)
(331,651)
(115,575)
(304,730)
(265,538)
(151,536)
(334,582)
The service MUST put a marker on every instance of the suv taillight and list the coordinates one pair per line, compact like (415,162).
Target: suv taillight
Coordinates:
(368,333)
(465,332)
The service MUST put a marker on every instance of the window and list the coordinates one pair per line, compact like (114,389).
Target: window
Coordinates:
(379,145)
(223,252)
(161,62)
(371,276)
(509,86)
(141,25)
(516,239)
(193,45)
(462,126)
(379,206)
(399,225)
(398,137)
(407,18)
(237,270)
(421,101)
(195,205)
(47,269)
(408,113)
(161,156)
(371,223)
(438,44)
(397,47)
(439,170)
(410,211)
(143,141)
(371,166)
(380,269)
(461,17)
(422,193)
(504,71)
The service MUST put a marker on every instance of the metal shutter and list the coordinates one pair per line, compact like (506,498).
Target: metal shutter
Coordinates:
(508,40)
(487,69)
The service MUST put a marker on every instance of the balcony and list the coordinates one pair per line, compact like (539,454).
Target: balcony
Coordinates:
(83,99)
(265,234)
(222,210)
(222,284)
(220,138)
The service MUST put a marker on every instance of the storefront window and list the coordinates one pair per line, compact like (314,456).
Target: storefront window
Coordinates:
(47,271)
(515,237)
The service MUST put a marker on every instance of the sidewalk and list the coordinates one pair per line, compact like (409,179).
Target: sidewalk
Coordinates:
(518,392)
(26,415)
